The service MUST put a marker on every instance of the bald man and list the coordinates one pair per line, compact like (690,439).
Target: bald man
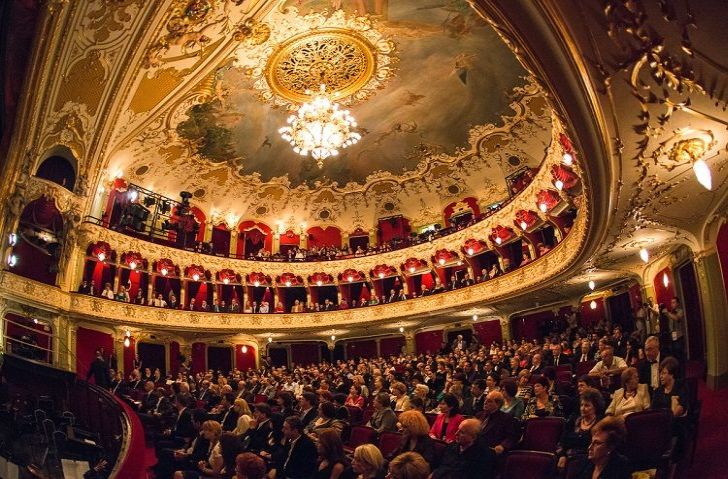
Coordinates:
(499,430)
(467,455)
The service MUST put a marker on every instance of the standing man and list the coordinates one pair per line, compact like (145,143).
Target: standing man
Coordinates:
(99,369)
(676,319)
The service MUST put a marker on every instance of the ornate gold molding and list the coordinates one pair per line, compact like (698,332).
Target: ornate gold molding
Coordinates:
(534,275)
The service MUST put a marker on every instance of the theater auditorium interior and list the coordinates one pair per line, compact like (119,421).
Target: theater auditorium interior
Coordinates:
(338,239)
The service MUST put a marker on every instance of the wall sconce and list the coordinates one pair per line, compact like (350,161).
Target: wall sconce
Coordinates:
(593,304)
(592,285)
(244,349)
(644,255)
(665,280)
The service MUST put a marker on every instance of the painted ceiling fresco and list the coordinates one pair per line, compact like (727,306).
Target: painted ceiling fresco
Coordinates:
(453,72)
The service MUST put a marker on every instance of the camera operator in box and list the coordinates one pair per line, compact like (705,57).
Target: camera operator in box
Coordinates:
(676,326)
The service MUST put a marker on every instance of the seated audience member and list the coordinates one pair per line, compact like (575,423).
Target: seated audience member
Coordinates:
(326,420)
(632,397)
(525,390)
(186,458)
(512,404)
(649,368)
(139,298)
(542,403)
(409,465)
(415,436)
(467,457)
(609,366)
(577,434)
(383,418)
(249,466)
(333,463)
(107,293)
(671,394)
(355,398)
(245,416)
(300,452)
(447,421)
(401,400)
(212,465)
(605,461)
(256,439)
(500,431)
(368,462)
(308,404)
(474,404)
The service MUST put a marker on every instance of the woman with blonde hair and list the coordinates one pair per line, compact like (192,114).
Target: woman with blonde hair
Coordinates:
(409,465)
(632,397)
(368,462)
(415,435)
(241,407)
(213,465)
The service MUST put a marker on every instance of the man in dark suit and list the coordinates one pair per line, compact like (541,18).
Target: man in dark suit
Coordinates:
(227,416)
(558,358)
(149,400)
(584,353)
(401,296)
(257,438)
(474,404)
(301,457)
(182,431)
(649,368)
(499,430)
(467,456)
(392,296)
(99,369)
(186,458)
(307,405)
(536,364)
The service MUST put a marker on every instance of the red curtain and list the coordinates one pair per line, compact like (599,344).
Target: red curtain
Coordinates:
(319,237)
(199,361)
(590,317)
(87,342)
(134,280)
(174,363)
(244,360)
(366,349)
(253,235)
(128,359)
(289,238)
(391,346)
(396,227)
(664,294)
(305,353)
(221,240)
(471,202)
(488,331)
(428,342)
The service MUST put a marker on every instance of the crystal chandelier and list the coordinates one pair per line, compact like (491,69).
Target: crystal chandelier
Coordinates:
(320,128)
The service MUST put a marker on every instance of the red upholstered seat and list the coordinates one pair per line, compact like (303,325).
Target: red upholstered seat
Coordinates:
(389,442)
(355,415)
(367,415)
(649,438)
(563,367)
(261,398)
(563,375)
(529,465)
(359,435)
(584,368)
(431,416)
(542,434)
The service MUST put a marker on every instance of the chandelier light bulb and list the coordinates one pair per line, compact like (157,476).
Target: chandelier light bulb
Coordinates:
(665,280)
(12,239)
(593,304)
(320,129)
(333,337)
(270,340)
(592,285)
(244,349)
(401,329)
(225,281)
(559,185)
(350,278)
(568,159)
(475,317)
(543,207)
(35,320)
(702,173)
(381,275)
(471,251)
(524,225)
(412,269)
(441,261)
(644,255)
(256,283)
(12,260)
(196,277)
(164,271)
(498,240)
(288,284)
(133,265)
(101,256)
(319,283)
(127,342)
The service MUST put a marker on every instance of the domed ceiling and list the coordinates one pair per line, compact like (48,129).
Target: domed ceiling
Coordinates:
(444,109)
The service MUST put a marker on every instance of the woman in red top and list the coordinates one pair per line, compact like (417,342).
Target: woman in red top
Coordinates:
(447,422)
(355,398)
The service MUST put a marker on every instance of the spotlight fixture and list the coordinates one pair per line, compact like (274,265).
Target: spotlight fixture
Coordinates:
(244,349)
(568,159)
(12,260)
(559,185)
(543,207)
(665,279)
(149,201)
(164,207)
(592,285)
(644,255)
(133,195)
(593,304)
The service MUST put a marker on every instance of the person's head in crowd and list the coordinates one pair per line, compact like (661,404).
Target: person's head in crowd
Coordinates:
(413,424)
(652,348)
(212,430)
(540,386)
(591,403)
(509,388)
(607,435)
(368,461)
(491,381)
(467,433)
(493,402)
(669,369)
(330,446)
(261,412)
(524,376)
(477,388)
(249,466)
(284,400)
(199,416)
(409,465)
(242,408)
(583,383)
(382,401)
(230,447)
(417,404)
(308,400)
(339,399)
(292,427)
(327,410)
(449,405)
(630,379)
(422,391)
(398,389)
